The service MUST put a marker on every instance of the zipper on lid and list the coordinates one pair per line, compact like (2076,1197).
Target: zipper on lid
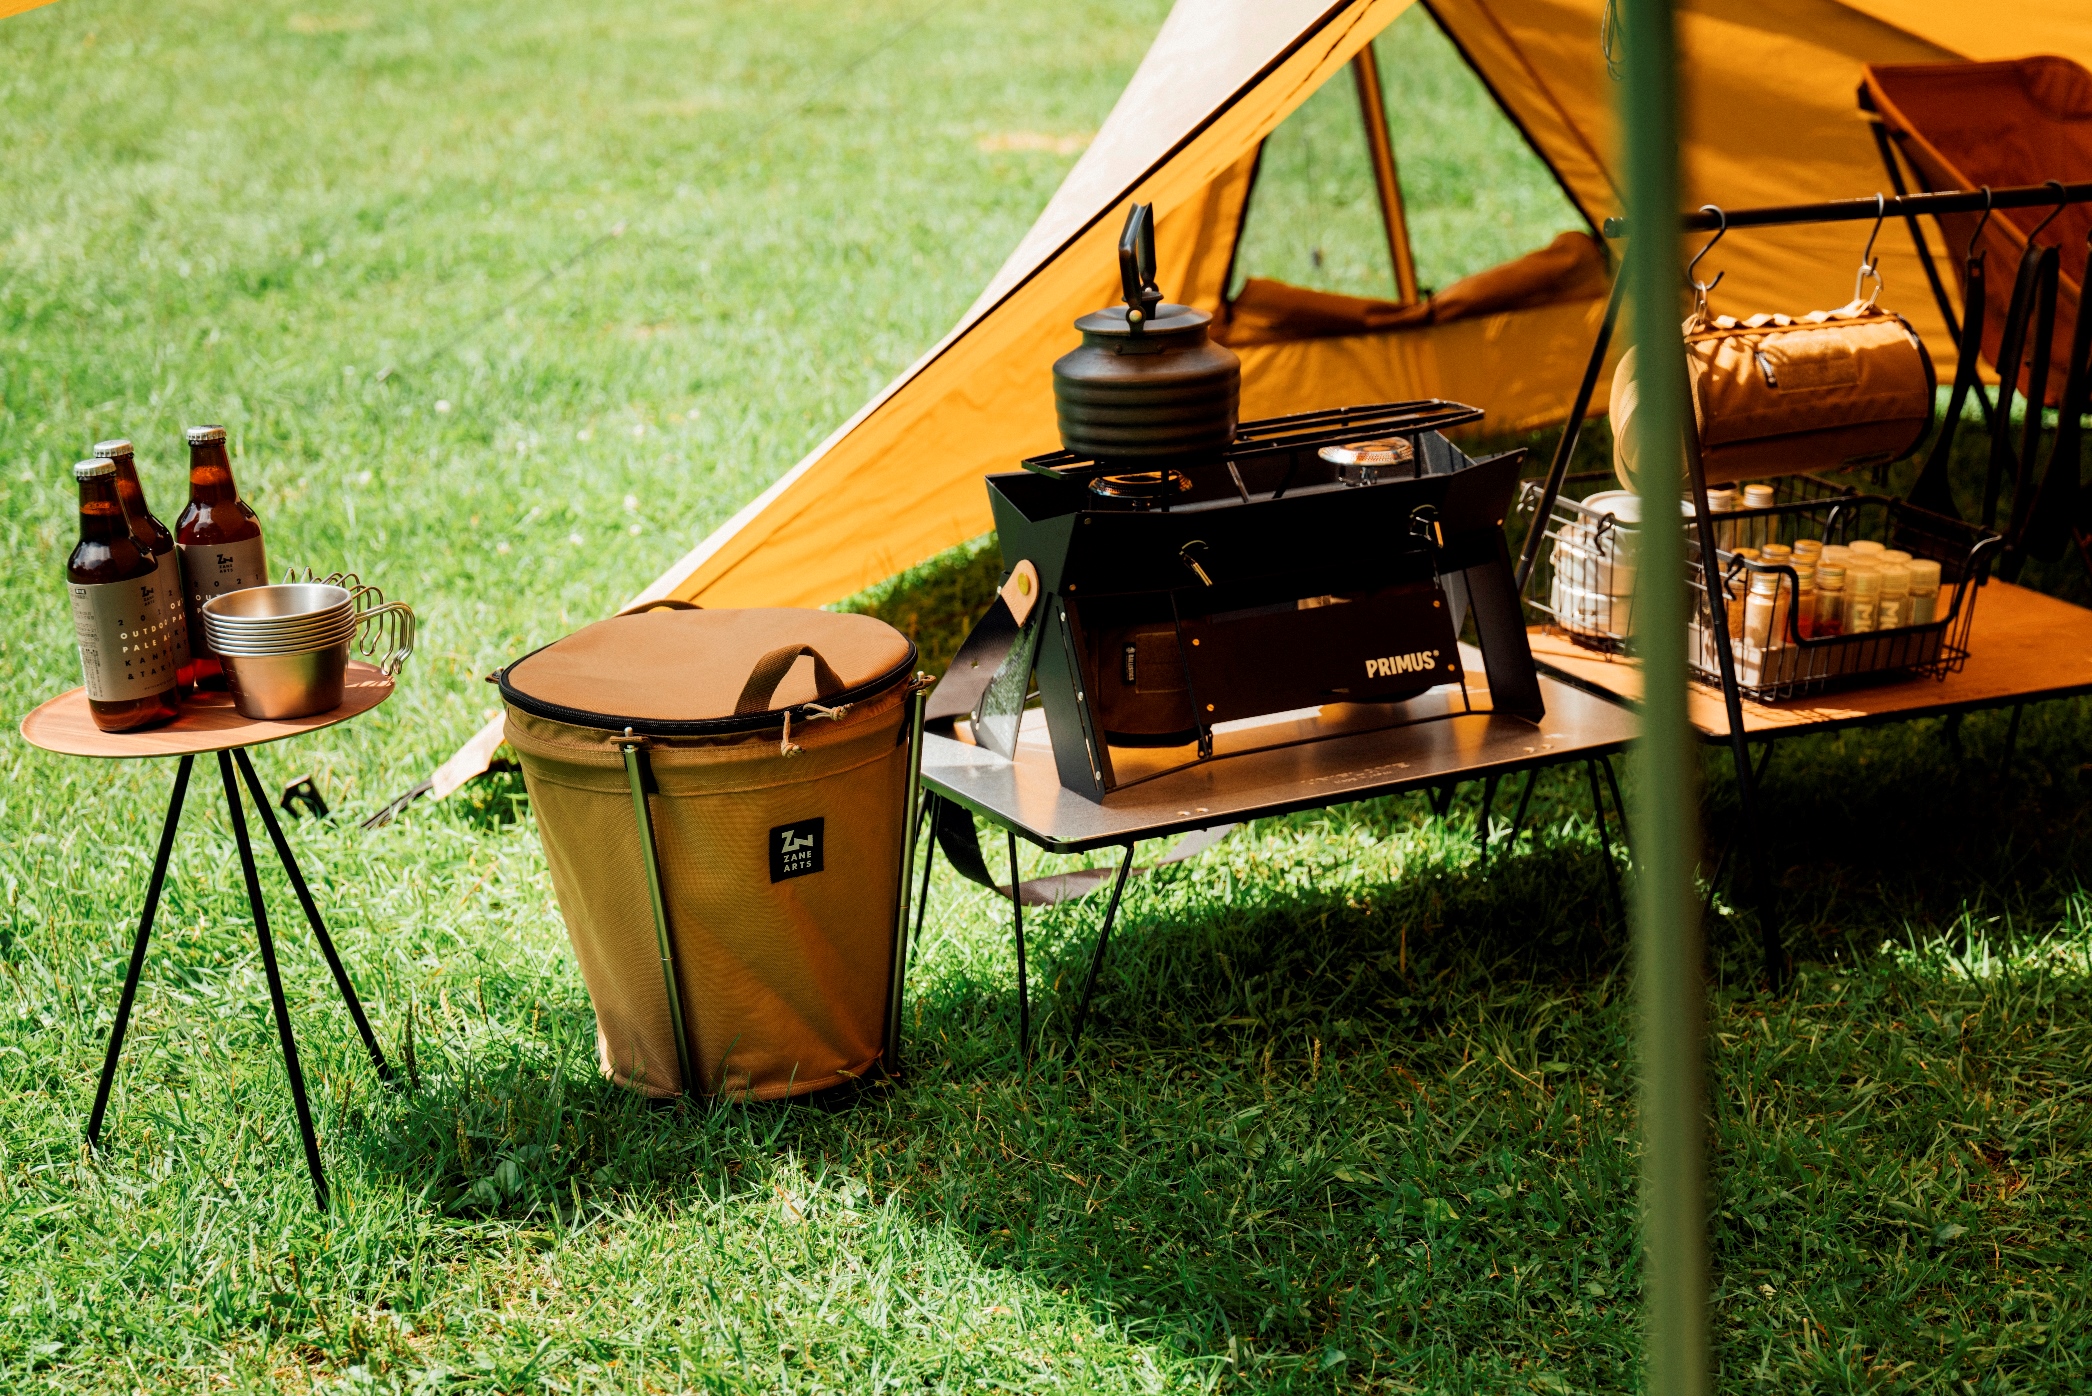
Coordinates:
(696,726)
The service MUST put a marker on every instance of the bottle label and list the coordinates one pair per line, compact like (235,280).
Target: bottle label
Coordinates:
(167,581)
(122,629)
(212,569)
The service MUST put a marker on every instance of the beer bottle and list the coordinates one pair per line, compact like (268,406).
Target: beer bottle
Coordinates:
(157,540)
(119,620)
(219,541)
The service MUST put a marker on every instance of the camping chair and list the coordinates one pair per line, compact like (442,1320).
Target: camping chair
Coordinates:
(1985,125)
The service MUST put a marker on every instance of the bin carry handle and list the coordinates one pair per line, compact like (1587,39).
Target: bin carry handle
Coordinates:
(659,603)
(769,672)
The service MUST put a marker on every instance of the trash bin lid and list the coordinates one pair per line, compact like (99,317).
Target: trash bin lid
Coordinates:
(692,672)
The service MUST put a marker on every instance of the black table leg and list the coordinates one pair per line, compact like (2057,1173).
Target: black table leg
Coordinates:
(312,915)
(1089,983)
(1612,783)
(268,952)
(922,904)
(1023,994)
(1482,824)
(145,935)
(1525,799)
(1605,849)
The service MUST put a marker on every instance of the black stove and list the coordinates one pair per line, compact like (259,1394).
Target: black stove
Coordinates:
(1324,561)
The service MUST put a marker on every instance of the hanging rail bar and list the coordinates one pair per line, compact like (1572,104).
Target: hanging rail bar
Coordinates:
(1853,210)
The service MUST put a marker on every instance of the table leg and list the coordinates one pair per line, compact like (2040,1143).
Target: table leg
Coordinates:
(1612,783)
(922,903)
(312,916)
(1525,799)
(1023,994)
(2012,736)
(1482,823)
(268,953)
(1605,849)
(138,944)
(1089,983)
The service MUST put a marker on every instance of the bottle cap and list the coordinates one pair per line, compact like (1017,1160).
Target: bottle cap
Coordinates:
(1830,576)
(1751,553)
(1895,555)
(1895,580)
(1811,546)
(1924,575)
(1757,496)
(1836,552)
(1721,501)
(1804,567)
(94,469)
(1765,583)
(113,449)
(1776,552)
(1866,581)
(203,436)
(1868,545)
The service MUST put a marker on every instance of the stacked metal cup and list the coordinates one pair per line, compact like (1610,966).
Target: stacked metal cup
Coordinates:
(286,648)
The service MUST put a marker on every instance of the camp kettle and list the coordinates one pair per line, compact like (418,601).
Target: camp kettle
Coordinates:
(1147,384)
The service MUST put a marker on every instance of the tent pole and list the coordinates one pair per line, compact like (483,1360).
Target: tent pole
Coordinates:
(1670,990)
(1372,108)
(1854,210)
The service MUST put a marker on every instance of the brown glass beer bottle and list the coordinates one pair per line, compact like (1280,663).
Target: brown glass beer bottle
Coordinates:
(219,541)
(167,568)
(117,614)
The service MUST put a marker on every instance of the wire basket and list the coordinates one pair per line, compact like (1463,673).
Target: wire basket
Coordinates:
(1583,586)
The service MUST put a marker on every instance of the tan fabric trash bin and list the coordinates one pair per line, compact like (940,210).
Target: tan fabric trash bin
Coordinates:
(777,751)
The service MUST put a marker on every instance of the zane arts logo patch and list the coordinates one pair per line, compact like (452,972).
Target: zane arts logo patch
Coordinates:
(795,849)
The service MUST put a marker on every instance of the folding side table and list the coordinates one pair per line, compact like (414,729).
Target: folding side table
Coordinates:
(210,723)
(1440,747)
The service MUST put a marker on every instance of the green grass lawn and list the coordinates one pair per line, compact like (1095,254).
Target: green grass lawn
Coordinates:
(505,309)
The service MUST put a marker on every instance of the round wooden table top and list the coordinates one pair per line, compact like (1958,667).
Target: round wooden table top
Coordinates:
(209,722)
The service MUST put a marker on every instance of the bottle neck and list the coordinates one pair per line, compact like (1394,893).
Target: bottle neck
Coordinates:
(210,475)
(130,493)
(101,512)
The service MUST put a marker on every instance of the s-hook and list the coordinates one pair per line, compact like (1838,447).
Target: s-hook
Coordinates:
(1868,266)
(1981,224)
(1701,288)
(2057,185)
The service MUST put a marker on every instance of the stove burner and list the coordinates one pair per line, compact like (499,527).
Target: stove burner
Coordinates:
(1370,462)
(1141,489)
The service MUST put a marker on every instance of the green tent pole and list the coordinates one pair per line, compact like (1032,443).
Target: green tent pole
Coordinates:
(1669,982)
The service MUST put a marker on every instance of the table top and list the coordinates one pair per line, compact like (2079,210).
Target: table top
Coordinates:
(1026,794)
(2024,646)
(209,722)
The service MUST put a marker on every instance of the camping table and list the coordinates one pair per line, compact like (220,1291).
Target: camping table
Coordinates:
(1026,799)
(209,723)
(2024,647)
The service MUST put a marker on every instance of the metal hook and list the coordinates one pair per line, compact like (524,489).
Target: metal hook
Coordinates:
(2057,185)
(1981,224)
(1700,288)
(1868,266)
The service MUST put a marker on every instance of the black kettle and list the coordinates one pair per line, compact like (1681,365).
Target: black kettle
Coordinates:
(1147,384)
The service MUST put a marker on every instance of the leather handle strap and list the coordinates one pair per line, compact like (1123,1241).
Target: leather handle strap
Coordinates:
(660,603)
(769,672)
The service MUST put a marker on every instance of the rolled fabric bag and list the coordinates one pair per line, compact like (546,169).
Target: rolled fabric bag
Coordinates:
(1776,395)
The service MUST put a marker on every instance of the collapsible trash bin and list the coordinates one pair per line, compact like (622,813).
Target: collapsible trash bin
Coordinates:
(725,800)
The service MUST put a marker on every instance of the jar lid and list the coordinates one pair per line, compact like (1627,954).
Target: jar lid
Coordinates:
(1721,500)
(1868,546)
(1866,581)
(1765,583)
(1757,496)
(1895,555)
(1776,552)
(1924,574)
(1811,546)
(1836,552)
(94,469)
(1169,317)
(1895,579)
(1830,574)
(112,449)
(677,673)
(203,436)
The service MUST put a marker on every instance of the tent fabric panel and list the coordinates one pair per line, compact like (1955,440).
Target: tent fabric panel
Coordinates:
(16,7)
(1979,31)
(1520,366)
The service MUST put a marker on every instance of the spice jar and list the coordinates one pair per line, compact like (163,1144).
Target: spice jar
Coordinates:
(1830,599)
(1894,608)
(1804,597)
(1737,591)
(1862,599)
(1759,608)
(1924,590)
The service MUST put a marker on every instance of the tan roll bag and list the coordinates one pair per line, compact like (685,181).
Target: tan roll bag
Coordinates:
(776,753)
(1775,395)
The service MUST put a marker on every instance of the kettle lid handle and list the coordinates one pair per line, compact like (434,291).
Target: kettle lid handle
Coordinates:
(1137,266)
